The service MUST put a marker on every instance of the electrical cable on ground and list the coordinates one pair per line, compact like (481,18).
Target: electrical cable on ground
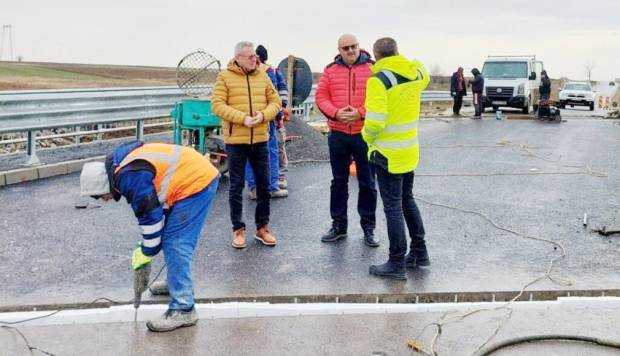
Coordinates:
(536,338)
(501,144)
(547,275)
(30,347)
(7,324)
(443,321)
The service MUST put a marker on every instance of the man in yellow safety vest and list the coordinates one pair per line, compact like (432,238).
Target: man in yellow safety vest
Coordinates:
(391,132)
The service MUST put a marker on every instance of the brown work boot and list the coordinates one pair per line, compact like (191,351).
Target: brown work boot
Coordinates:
(239,238)
(263,235)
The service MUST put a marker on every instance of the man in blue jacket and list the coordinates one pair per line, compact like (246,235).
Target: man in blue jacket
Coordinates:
(170,189)
(277,180)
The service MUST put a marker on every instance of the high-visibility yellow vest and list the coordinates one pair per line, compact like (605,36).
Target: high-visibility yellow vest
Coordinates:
(393,110)
(179,171)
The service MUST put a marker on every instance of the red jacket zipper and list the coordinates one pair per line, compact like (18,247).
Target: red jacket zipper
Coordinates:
(349,92)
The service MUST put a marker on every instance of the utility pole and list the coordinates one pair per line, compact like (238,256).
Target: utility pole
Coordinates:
(6,39)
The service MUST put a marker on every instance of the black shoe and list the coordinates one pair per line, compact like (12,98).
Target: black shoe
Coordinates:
(334,235)
(389,270)
(417,258)
(370,240)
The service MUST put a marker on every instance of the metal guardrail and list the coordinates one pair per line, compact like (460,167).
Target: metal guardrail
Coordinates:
(32,111)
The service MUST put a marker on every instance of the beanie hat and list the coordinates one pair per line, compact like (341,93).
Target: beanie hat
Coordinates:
(261,52)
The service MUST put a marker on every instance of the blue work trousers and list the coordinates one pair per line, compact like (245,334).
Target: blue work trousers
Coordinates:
(184,222)
(274,161)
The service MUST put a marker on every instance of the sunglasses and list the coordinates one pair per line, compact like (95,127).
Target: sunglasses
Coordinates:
(349,48)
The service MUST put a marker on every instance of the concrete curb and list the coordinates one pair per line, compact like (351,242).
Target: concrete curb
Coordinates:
(236,310)
(372,298)
(21,175)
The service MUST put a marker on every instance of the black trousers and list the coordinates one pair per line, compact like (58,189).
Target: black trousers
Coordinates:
(458,103)
(400,210)
(478,104)
(258,156)
(341,148)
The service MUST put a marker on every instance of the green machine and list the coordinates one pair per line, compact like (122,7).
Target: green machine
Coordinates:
(194,123)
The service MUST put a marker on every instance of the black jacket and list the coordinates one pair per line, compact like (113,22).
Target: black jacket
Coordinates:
(545,86)
(477,86)
(453,82)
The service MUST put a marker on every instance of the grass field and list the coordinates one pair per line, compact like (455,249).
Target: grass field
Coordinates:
(34,75)
(40,75)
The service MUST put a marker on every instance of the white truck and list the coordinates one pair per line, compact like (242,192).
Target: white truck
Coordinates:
(511,81)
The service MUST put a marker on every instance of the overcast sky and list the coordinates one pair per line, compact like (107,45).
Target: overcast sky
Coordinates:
(441,33)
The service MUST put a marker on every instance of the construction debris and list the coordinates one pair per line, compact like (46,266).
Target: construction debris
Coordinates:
(308,145)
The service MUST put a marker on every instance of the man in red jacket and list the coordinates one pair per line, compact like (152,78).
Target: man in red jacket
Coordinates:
(340,97)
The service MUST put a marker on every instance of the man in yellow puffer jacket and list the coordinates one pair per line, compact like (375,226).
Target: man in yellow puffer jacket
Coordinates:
(391,132)
(245,100)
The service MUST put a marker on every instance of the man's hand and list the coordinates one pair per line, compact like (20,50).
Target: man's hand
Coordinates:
(341,114)
(286,114)
(250,121)
(344,114)
(349,114)
(138,259)
(259,117)
(353,115)
(453,94)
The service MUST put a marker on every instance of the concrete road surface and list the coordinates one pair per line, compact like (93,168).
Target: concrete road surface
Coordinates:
(332,333)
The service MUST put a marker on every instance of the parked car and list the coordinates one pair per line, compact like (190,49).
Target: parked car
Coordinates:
(577,94)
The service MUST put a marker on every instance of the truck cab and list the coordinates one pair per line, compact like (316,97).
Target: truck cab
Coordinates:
(511,81)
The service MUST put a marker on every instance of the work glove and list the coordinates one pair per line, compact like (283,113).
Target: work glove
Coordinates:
(139,259)
(453,94)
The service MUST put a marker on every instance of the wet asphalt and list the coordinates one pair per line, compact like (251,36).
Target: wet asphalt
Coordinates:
(54,253)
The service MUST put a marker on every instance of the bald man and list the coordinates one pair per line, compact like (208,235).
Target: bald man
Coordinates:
(340,97)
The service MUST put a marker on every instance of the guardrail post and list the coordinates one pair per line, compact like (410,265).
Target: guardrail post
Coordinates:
(99,134)
(139,130)
(31,149)
(77,137)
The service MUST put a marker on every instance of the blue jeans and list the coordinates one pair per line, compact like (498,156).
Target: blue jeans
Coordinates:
(341,148)
(400,209)
(184,222)
(274,162)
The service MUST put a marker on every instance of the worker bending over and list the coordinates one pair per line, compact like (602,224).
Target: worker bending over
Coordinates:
(170,189)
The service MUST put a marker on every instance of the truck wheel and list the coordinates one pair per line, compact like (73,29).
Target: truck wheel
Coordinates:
(592,106)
